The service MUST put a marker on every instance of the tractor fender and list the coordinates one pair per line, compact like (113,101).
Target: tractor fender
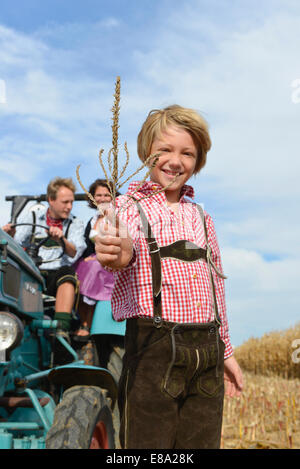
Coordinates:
(81,374)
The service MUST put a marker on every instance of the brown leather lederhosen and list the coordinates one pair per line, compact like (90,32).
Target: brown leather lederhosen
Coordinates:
(141,339)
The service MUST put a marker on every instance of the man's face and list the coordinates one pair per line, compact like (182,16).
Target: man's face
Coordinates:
(62,205)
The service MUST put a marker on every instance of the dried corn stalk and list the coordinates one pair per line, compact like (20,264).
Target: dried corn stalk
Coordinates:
(112,174)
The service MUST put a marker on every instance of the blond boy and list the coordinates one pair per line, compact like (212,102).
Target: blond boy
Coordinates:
(169,287)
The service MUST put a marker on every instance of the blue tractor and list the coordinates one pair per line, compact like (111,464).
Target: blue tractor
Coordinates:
(42,405)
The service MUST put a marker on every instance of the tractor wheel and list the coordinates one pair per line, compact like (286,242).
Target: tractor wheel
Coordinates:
(82,420)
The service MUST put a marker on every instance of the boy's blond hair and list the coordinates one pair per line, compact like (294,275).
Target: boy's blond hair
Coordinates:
(58,182)
(159,119)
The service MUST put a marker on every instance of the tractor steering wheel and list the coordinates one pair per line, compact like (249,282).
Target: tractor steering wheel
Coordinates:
(34,247)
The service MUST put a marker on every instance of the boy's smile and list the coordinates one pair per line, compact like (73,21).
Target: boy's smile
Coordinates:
(178,155)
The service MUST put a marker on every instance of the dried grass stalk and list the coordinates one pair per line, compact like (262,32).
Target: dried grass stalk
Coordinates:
(112,176)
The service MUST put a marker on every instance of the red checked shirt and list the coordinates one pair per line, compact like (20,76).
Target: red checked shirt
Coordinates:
(186,293)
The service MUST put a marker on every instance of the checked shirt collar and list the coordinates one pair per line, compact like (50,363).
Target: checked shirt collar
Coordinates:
(149,187)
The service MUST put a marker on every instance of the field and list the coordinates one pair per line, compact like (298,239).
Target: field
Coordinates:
(267,415)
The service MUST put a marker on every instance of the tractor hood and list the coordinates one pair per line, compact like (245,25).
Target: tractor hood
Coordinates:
(17,253)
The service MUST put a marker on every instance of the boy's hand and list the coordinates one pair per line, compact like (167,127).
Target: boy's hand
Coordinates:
(233,377)
(113,245)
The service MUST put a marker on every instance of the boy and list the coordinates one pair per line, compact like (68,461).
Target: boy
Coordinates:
(169,286)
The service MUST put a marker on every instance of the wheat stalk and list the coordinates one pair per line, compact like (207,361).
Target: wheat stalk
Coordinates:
(112,175)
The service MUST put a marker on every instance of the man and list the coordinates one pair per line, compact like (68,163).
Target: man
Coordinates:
(59,275)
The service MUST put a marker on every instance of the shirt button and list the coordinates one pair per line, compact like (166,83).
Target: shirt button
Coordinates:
(199,304)
(194,275)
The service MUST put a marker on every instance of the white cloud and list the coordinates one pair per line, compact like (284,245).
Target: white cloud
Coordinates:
(264,231)
(19,50)
(261,295)
(110,22)
(253,273)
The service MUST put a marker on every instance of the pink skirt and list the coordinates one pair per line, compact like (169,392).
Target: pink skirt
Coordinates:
(95,282)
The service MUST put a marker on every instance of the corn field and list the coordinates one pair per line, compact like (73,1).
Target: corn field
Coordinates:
(267,415)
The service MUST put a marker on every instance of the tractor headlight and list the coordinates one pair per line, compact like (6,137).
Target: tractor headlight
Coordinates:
(11,331)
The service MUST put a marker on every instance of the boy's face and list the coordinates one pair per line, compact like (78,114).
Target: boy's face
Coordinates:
(178,155)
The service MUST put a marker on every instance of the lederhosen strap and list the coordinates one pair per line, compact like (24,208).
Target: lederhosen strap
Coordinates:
(183,250)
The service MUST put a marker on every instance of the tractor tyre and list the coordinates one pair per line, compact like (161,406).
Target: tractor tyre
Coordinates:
(82,420)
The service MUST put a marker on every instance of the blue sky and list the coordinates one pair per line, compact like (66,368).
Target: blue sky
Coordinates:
(236,62)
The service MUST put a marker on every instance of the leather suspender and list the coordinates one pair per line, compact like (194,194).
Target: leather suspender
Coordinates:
(154,251)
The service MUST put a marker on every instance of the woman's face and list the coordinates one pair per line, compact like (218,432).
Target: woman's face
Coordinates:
(102,196)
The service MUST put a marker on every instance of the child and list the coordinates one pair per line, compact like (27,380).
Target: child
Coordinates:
(169,286)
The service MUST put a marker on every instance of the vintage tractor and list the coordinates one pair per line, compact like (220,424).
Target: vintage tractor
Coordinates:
(42,405)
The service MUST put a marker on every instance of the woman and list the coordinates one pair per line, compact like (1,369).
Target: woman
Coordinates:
(96,283)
